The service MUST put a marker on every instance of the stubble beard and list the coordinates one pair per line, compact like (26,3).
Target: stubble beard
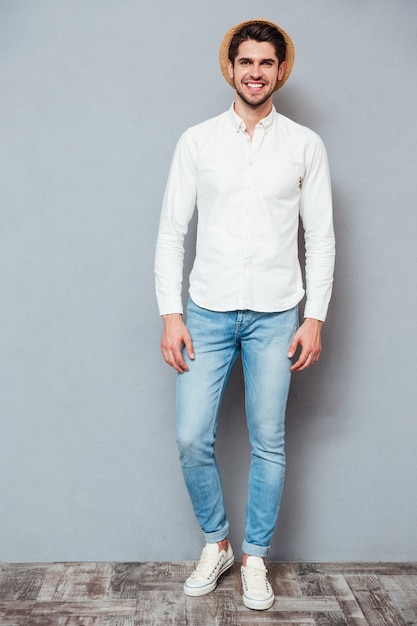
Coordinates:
(251,103)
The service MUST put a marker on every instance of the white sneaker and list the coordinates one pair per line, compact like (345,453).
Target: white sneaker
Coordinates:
(257,592)
(212,564)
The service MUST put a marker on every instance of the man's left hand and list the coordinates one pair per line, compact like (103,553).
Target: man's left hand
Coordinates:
(308,336)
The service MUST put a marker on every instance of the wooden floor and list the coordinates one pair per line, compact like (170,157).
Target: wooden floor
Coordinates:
(145,594)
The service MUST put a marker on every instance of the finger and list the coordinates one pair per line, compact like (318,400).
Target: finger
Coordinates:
(171,359)
(304,361)
(172,353)
(189,347)
(308,361)
(293,347)
(313,358)
(180,365)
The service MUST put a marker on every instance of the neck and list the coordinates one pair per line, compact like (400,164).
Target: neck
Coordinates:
(252,115)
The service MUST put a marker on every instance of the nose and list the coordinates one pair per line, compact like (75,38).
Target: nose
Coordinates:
(256,71)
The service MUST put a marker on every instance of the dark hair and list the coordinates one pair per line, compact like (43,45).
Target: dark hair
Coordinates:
(259,31)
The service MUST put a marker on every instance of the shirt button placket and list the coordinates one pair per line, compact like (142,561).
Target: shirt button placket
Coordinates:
(247,219)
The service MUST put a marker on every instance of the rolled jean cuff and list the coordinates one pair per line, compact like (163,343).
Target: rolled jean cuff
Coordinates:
(218,535)
(251,550)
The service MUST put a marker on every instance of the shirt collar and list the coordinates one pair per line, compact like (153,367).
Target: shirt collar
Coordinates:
(239,124)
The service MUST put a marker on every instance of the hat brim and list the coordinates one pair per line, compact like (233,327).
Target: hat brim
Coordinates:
(227,39)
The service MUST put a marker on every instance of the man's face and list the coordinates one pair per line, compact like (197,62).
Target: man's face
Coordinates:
(255,71)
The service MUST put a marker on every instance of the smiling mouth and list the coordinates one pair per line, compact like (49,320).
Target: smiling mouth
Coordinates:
(255,86)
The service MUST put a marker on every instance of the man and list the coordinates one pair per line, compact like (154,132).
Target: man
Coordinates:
(252,173)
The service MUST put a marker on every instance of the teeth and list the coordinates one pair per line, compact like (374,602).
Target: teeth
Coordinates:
(255,85)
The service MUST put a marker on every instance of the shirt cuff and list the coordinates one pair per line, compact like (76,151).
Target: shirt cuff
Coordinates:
(170,304)
(316,311)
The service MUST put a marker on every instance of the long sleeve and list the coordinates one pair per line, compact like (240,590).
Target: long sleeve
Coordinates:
(177,209)
(317,219)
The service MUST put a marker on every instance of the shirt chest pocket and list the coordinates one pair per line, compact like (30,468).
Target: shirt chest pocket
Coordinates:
(279,179)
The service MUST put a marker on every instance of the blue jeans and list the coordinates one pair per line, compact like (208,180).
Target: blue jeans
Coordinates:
(263,339)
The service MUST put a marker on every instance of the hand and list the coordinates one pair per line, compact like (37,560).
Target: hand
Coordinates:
(308,336)
(174,336)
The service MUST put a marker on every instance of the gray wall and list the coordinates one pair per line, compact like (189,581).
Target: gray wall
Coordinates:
(94,94)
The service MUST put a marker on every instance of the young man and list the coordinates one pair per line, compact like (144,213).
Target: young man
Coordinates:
(252,174)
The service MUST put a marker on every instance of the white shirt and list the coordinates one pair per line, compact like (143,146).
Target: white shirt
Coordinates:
(250,196)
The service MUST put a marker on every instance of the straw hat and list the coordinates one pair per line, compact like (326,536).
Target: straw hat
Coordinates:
(227,39)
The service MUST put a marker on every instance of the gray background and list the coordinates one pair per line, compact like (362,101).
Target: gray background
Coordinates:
(94,94)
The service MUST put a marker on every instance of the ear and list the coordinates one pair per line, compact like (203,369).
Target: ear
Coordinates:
(230,69)
(281,70)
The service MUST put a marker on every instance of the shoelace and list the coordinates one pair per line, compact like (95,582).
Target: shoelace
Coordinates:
(256,578)
(208,564)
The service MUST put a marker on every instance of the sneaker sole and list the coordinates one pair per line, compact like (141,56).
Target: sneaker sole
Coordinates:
(258,605)
(202,591)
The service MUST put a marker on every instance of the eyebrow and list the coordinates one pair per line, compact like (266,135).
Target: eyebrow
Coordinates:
(250,60)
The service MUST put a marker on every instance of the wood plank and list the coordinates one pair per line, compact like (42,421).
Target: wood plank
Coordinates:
(347,601)
(124,581)
(82,581)
(118,620)
(160,608)
(315,584)
(302,569)
(268,618)
(10,607)
(335,618)
(374,601)
(14,620)
(21,582)
(214,609)
(312,604)
(406,605)
(42,620)
(305,604)
(283,579)
(81,620)
(155,572)
(368,568)
(128,579)
(400,581)
(52,578)
(85,607)
(402,590)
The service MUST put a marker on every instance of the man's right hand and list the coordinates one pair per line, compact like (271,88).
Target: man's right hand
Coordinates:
(174,336)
